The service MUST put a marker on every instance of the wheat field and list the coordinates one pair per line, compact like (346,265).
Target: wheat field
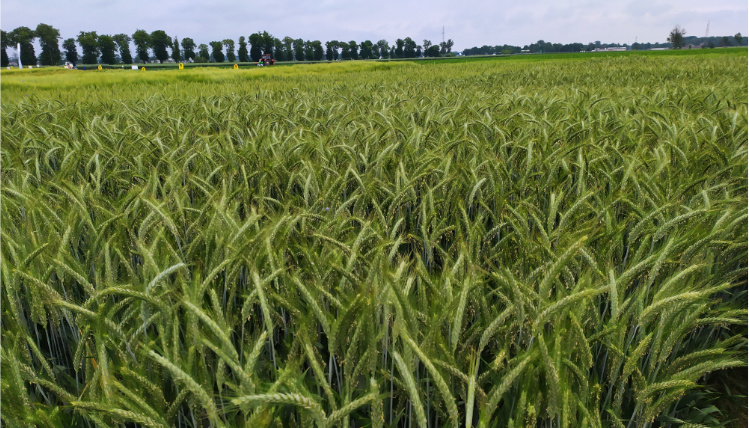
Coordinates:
(497,244)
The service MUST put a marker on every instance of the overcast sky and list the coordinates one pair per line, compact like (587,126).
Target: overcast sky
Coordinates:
(468,22)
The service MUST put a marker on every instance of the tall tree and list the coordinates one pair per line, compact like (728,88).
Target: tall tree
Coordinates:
(48,40)
(25,37)
(89,42)
(268,43)
(399,48)
(256,50)
(353,49)
(159,42)
(244,56)
(676,37)
(317,51)
(331,50)
(142,42)
(188,45)
(409,48)
(427,44)
(309,53)
(345,51)
(279,53)
(217,47)
(365,49)
(107,48)
(229,44)
(299,50)
(176,54)
(449,45)
(384,48)
(4,41)
(738,37)
(203,55)
(123,43)
(287,43)
(375,51)
(71,52)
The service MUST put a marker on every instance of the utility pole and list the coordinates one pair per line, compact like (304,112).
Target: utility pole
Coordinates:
(707,30)
(443,34)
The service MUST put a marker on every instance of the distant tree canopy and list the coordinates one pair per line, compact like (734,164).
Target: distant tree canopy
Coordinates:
(89,42)
(244,55)
(25,37)
(71,52)
(107,48)
(203,54)
(4,41)
(229,44)
(142,42)
(256,51)
(676,37)
(159,42)
(123,42)
(217,47)
(176,54)
(49,41)
(188,45)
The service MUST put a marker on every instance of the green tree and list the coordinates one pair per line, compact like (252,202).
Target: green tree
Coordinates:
(244,56)
(365,49)
(427,44)
(399,48)
(107,49)
(287,43)
(89,42)
(345,51)
(433,51)
(279,53)
(229,44)
(309,54)
(738,37)
(384,48)
(123,43)
(4,41)
(354,49)
(268,43)
(676,37)
(375,51)
(176,54)
(142,42)
(71,52)
(188,45)
(299,50)
(159,42)
(331,50)
(25,37)
(256,50)
(203,55)
(217,48)
(317,50)
(48,40)
(409,48)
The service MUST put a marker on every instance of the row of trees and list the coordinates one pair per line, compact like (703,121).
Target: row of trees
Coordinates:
(112,49)
(676,39)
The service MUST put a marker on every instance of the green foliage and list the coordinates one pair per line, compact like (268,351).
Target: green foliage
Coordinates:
(48,39)
(142,41)
(217,53)
(107,47)
(25,37)
(89,42)
(160,41)
(123,42)
(509,243)
(188,45)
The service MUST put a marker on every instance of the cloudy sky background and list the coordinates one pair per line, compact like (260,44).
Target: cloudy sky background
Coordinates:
(469,22)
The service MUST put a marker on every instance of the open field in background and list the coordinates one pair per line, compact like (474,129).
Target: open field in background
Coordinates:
(502,243)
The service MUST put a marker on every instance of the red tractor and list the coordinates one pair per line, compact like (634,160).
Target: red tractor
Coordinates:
(267,60)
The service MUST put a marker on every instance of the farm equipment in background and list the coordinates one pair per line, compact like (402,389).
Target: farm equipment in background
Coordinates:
(267,60)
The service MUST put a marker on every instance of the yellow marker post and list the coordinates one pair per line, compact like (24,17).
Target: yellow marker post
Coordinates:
(181,66)
(143,69)
(236,67)
(99,66)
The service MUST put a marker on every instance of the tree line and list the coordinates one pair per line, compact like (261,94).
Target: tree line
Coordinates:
(675,39)
(113,49)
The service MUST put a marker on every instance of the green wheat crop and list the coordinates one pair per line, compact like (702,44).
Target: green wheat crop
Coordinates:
(500,243)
